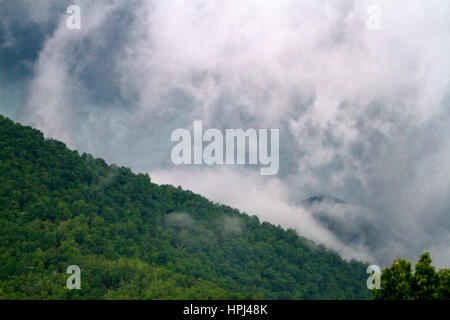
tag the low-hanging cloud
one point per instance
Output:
(363, 114)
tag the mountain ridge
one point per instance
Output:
(134, 239)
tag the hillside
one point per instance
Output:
(134, 239)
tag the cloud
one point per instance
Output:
(363, 114)
(181, 220)
(267, 198)
(232, 225)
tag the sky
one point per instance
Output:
(363, 112)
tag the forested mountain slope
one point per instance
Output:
(134, 239)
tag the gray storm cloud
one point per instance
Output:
(363, 114)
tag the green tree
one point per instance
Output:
(134, 239)
(425, 281)
(443, 290)
(395, 282)
(399, 283)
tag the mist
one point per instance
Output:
(363, 114)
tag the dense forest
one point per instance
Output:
(134, 239)
(398, 282)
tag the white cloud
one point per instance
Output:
(363, 114)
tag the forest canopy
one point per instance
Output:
(398, 282)
(134, 239)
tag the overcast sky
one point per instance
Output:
(364, 114)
